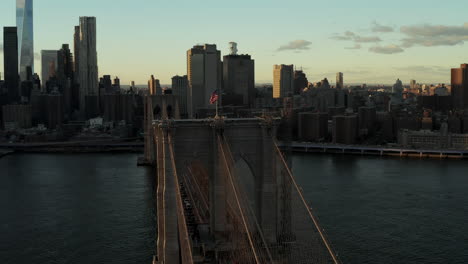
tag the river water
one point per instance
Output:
(99, 208)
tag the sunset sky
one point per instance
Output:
(369, 41)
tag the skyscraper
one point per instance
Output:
(24, 23)
(180, 89)
(154, 86)
(339, 80)
(239, 78)
(65, 76)
(76, 50)
(204, 71)
(460, 87)
(48, 57)
(300, 81)
(283, 81)
(88, 69)
(412, 84)
(10, 62)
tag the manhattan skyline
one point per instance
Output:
(369, 44)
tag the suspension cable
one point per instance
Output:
(250, 208)
(238, 203)
(309, 210)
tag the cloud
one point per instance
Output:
(359, 39)
(37, 56)
(434, 35)
(378, 28)
(296, 45)
(348, 35)
(389, 49)
(351, 36)
(1, 47)
(356, 46)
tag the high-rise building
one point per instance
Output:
(76, 51)
(239, 79)
(412, 84)
(460, 87)
(204, 72)
(24, 23)
(154, 86)
(88, 69)
(65, 63)
(180, 89)
(10, 62)
(65, 76)
(283, 81)
(300, 82)
(339, 80)
(48, 57)
(345, 129)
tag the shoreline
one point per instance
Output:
(73, 147)
(331, 149)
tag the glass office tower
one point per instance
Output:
(24, 23)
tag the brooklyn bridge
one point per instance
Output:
(226, 194)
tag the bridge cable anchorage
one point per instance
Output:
(186, 246)
(309, 210)
(249, 208)
(244, 221)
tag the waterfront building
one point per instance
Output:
(239, 79)
(24, 23)
(180, 89)
(367, 119)
(345, 129)
(313, 127)
(10, 63)
(433, 140)
(88, 69)
(48, 63)
(460, 87)
(204, 72)
(17, 116)
(55, 110)
(283, 81)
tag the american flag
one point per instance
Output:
(214, 97)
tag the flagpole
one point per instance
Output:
(217, 105)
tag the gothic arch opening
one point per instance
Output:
(169, 111)
(247, 182)
(157, 112)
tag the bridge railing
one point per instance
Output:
(184, 238)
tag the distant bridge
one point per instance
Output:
(225, 194)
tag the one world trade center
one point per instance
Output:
(24, 22)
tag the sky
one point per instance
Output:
(369, 41)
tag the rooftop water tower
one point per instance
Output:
(233, 48)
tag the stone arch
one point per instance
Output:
(246, 178)
(157, 112)
(169, 112)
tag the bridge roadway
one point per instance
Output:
(308, 147)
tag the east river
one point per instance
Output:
(100, 208)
